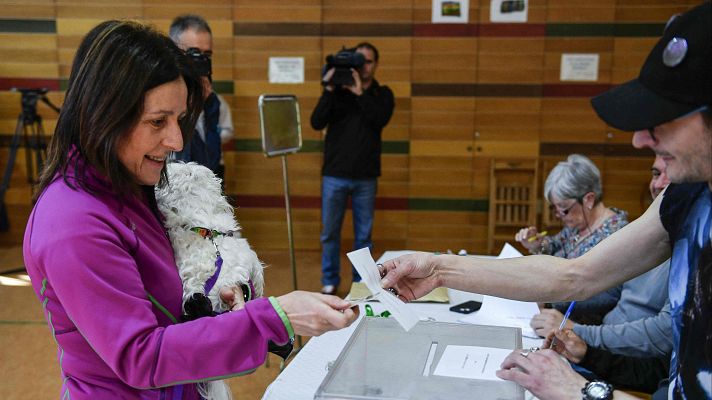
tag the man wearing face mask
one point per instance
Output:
(192, 34)
(354, 116)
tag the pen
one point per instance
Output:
(563, 322)
(538, 235)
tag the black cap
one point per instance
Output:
(675, 80)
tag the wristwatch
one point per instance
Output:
(597, 390)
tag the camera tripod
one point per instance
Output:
(30, 133)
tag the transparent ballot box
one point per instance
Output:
(382, 361)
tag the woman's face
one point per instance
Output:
(157, 133)
(570, 211)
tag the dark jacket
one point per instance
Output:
(352, 147)
(641, 374)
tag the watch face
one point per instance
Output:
(598, 390)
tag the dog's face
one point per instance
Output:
(193, 198)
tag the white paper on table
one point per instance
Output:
(504, 312)
(471, 362)
(508, 251)
(366, 267)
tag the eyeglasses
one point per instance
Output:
(564, 212)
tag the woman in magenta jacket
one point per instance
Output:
(100, 260)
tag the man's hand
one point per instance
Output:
(411, 275)
(312, 314)
(548, 320)
(544, 373)
(327, 77)
(568, 344)
(357, 87)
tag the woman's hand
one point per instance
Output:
(568, 344)
(411, 275)
(233, 297)
(525, 234)
(312, 314)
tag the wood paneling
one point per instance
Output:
(464, 95)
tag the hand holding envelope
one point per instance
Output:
(366, 267)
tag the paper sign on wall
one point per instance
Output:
(286, 70)
(579, 67)
(450, 11)
(508, 10)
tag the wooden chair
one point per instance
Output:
(548, 218)
(512, 201)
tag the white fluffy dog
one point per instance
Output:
(202, 227)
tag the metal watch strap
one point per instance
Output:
(605, 388)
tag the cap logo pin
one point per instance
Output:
(675, 52)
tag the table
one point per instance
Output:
(302, 377)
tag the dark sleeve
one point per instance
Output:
(642, 374)
(377, 107)
(598, 305)
(322, 112)
(677, 201)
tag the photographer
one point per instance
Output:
(192, 34)
(354, 112)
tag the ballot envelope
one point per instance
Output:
(434, 360)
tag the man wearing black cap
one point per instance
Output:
(668, 108)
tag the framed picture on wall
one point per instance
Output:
(508, 10)
(451, 11)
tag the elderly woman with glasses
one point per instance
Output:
(573, 188)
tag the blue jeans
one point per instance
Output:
(334, 199)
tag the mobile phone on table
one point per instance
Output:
(467, 307)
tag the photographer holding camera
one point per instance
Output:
(353, 108)
(192, 34)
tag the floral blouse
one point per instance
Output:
(567, 244)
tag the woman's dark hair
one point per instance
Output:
(115, 65)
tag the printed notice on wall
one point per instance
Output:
(508, 10)
(450, 11)
(579, 67)
(286, 70)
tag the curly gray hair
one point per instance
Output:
(573, 178)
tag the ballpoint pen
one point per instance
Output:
(563, 322)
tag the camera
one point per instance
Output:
(343, 62)
(30, 97)
(201, 61)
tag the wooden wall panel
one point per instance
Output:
(581, 11)
(510, 60)
(35, 9)
(444, 60)
(651, 10)
(464, 94)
